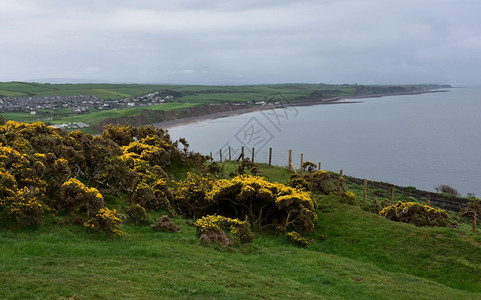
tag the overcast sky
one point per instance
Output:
(242, 41)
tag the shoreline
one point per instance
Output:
(336, 100)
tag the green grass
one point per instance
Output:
(66, 262)
(12, 94)
(24, 117)
(364, 256)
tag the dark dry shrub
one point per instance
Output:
(164, 223)
(446, 189)
(137, 214)
(416, 213)
(296, 239)
(214, 168)
(246, 164)
(215, 237)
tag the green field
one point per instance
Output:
(218, 93)
(352, 254)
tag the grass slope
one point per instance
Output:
(364, 257)
(147, 265)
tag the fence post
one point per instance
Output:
(392, 196)
(242, 153)
(290, 160)
(230, 158)
(270, 156)
(211, 157)
(428, 200)
(220, 154)
(365, 192)
(302, 161)
(253, 154)
(319, 166)
(339, 182)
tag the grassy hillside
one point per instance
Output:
(352, 254)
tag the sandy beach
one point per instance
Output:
(223, 114)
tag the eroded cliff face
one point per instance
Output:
(148, 116)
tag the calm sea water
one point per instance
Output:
(416, 140)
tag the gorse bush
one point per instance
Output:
(22, 209)
(237, 230)
(319, 181)
(296, 239)
(266, 204)
(105, 220)
(75, 195)
(416, 213)
(42, 166)
(190, 196)
(137, 214)
(349, 198)
(164, 223)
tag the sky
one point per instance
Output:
(242, 41)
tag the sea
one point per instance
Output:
(422, 140)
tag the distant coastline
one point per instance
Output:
(308, 102)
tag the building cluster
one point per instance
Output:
(80, 103)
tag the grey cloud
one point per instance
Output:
(237, 42)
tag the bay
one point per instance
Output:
(410, 140)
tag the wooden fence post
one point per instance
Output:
(392, 196)
(290, 160)
(253, 154)
(302, 161)
(365, 192)
(428, 200)
(211, 157)
(319, 166)
(270, 156)
(230, 158)
(339, 182)
(220, 154)
(242, 153)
